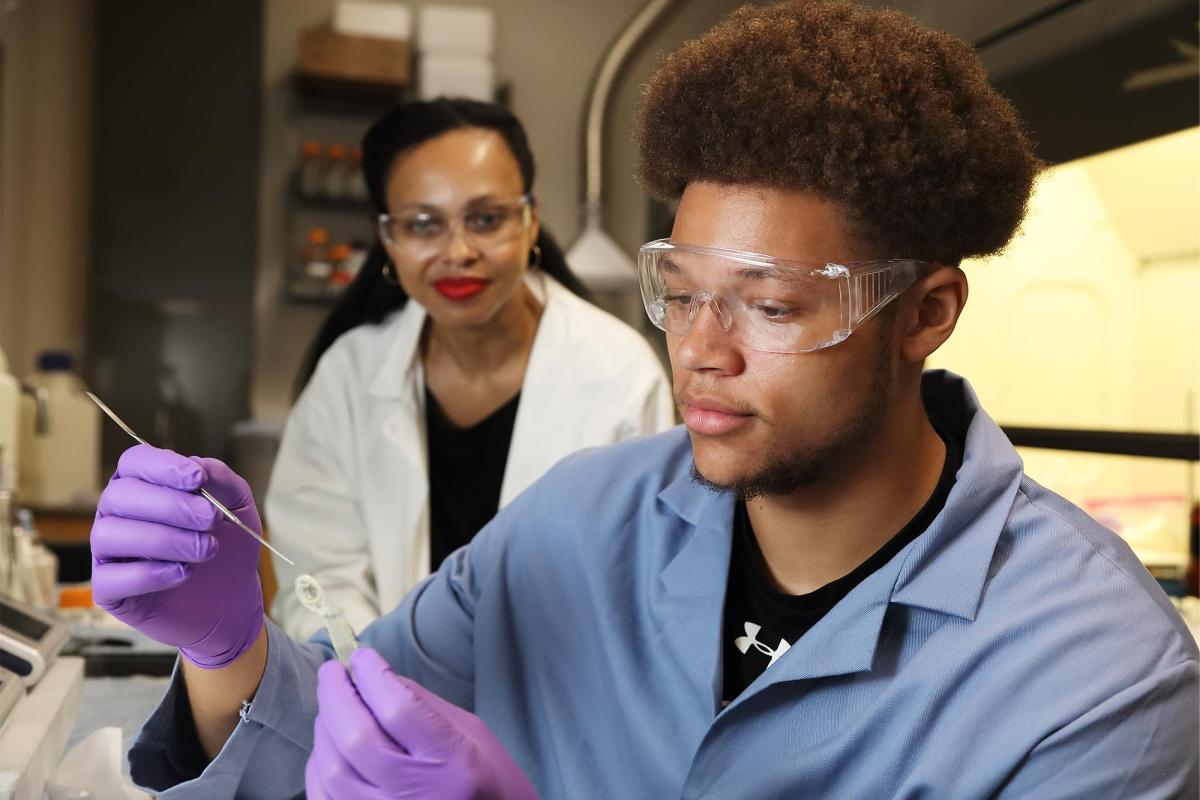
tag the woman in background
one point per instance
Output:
(459, 366)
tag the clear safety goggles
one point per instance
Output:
(768, 304)
(422, 231)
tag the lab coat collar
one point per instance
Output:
(943, 570)
(691, 501)
(401, 365)
(693, 581)
(549, 360)
(948, 565)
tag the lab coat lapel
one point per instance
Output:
(398, 513)
(843, 642)
(943, 570)
(950, 565)
(540, 409)
(693, 583)
(695, 580)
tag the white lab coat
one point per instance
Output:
(349, 494)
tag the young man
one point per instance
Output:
(834, 582)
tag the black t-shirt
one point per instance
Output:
(466, 470)
(762, 623)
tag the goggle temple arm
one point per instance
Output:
(873, 289)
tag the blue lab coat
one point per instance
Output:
(1016, 648)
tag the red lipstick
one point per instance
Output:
(460, 288)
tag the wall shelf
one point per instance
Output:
(323, 296)
(314, 202)
(327, 110)
(333, 96)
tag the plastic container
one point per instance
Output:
(356, 185)
(312, 169)
(460, 30)
(10, 416)
(373, 18)
(60, 466)
(75, 596)
(456, 75)
(358, 258)
(314, 256)
(337, 172)
(339, 255)
(36, 567)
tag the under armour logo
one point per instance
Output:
(744, 643)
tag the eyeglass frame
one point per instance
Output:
(910, 271)
(527, 202)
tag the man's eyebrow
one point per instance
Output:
(758, 273)
(671, 266)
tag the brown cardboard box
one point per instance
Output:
(327, 54)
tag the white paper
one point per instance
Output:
(92, 770)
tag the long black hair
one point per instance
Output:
(369, 299)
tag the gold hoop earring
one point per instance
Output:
(389, 274)
(536, 261)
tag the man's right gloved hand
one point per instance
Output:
(165, 561)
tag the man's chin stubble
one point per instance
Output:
(767, 483)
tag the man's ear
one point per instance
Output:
(933, 308)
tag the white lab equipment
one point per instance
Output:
(10, 416)
(456, 75)
(33, 739)
(12, 689)
(32, 569)
(29, 640)
(464, 30)
(373, 18)
(8, 540)
(456, 45)
(60, 441)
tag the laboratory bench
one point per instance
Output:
(60, 712)
(123, 703)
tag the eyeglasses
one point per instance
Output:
(424, 231)
(768, 304)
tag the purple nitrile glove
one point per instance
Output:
(166, 562)
(385, 737)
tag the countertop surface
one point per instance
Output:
(116, 702)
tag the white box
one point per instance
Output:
(37, 730)
(455, 29)
(378, 18)
(473, 77)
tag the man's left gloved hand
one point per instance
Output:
(384, 736)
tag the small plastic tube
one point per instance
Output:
(312, 596)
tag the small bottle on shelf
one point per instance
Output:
(312, 169)
(337, 172)
(356, 186)
(339, 255)
(358, 257)
(315, 268)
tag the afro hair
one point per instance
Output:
(896, 123)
